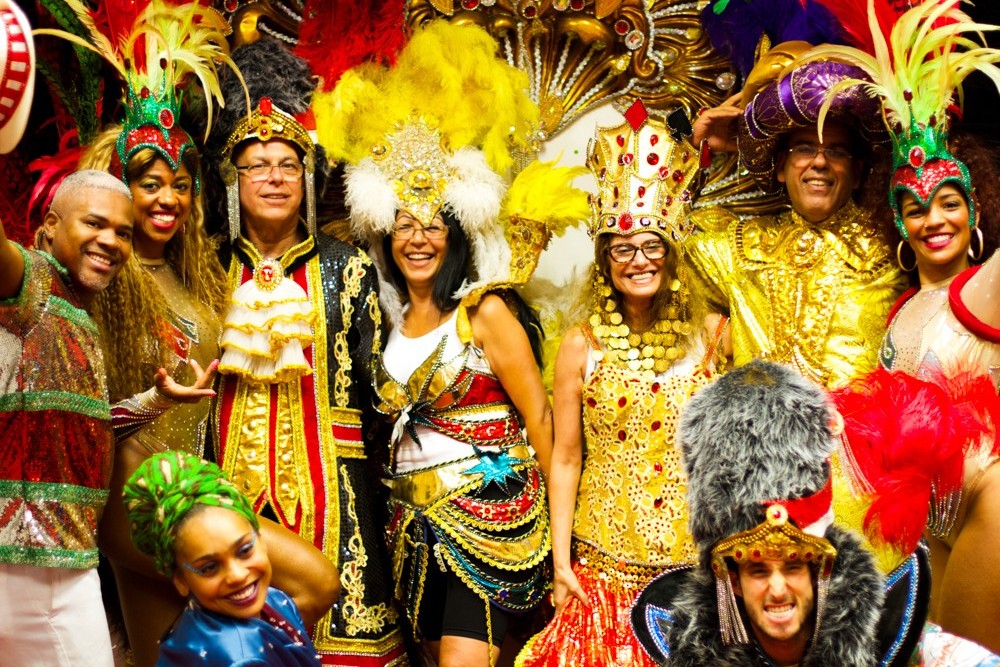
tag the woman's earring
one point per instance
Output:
(975, 257)
(899, 258)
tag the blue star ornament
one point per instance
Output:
(496, 468)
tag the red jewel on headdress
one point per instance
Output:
(641, 191)
(664, 171)
(668, 200)
(622, 26)
(166, 118)
(705, 160)
(678, 176)
(652, 159)
(620, 139)
(916, 157)
(908, 95)
(231, 5)
(625, 221)
(576, 5)
(655, 426)
(685, 156)
(685, 196)
(626, 159)
(654, 139)
(657, 503)
(658, 467)
(265, 106)
(144, 93)
(470, 4)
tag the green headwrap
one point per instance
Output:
(164, 489)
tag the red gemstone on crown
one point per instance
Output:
(265, 106)
(576, 5)
(654, 139)
(652, 159)
(664, 171)
(470, 4)
(627, 158)
(144, 93)
(620, 139)
(622, 26)
(678, 176)
(166, 118)
(625, 222)
(916, 157)
(641, 191)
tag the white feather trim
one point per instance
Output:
(372, 201)
(475, 192)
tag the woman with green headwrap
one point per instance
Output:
(201, 531)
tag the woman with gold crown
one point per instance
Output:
(619, 513)
(946, 329)
(163, 311)
(468, 531)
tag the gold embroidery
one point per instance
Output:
(632, 497)
(353, 274)
(358, 617)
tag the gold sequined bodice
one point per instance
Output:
(815, 296)
(195, 329)
(632, 502)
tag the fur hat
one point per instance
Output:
(759, 434)
(269, 71)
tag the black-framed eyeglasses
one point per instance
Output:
(408, 231)
(261, 171)
(808, 152)
(625, 252)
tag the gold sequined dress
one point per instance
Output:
(631, 521)
(193, 331)
(811, 295)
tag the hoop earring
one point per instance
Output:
(979, 255)
(899, 258)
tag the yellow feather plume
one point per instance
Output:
(449, 76)
(544, 193)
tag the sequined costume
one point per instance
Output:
(631, 512)
(467, 495)
(55, 420)
(815, 296)
(277, 638)
(194, 332)
(298, 448)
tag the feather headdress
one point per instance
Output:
(435, 132)
(167, 45)
(917, 73)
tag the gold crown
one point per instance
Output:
(414, 159)
(268, 122)
(645, 175)
(776, 538)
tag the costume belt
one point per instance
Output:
(420, 489)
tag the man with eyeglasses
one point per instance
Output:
(294, 423)
(812, 286)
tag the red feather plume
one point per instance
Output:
(853, 18)
(336, 36)
(908, 436)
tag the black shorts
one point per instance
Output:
(450, 608)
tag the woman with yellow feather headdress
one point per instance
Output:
(946, 329)
(429, 142)
(160, 318)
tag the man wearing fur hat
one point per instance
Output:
(777, 582)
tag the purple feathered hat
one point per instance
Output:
(793, 100)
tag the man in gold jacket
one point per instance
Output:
(811, 286)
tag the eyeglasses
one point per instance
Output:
(625, 252)
(807, 153)
(407, 231)
(261, 171)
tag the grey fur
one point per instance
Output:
(761, 432)
(847, 632)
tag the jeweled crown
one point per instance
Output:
(151, 121)
(414, 159)
(645, 171)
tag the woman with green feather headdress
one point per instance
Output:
(944, 192)
(202, 532)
